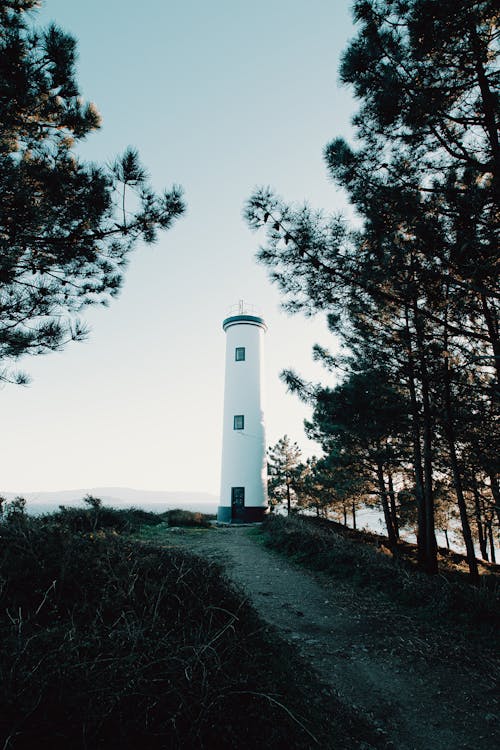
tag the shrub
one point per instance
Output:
(178, 517)
(322, 547)
(13, 511)
(110, 643)
(100, 517)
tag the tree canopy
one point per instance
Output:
(66, 226)
(413, 293)
(284, 470)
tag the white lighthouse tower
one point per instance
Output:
(243, 494)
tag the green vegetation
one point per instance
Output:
(178, 517)
(284, 471)
(449, 601)
(410, 291)
(108, 642)
(123, 520)
(67, 226)
(98, 516)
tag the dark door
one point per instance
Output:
(237, 503)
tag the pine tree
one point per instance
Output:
(284, 471)
(66, 226)
(359, 425)
(419, 281)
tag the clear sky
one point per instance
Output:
(221, 97)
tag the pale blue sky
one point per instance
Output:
(220, 97)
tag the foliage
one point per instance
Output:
(323, 546)
(336, 486)
(101, 518)
(13, 511)
(284, 470)
(360, 424)
(413, 290)
(66, 226)
(179, 517)
(110, 643)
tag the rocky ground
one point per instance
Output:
(421, 691)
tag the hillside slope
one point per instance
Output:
(420, 686)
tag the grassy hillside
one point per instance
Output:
(449, 600)
(107, 642)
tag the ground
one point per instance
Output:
(421, 691)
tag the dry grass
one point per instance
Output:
(359, 559)
(110, 643)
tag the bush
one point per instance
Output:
(321, 547)
(110, 643)
(99, 517)
(178, 517)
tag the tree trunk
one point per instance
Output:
(431, 564)
(417, 449)
(392, 497)
(489, 527)
(495, 491)
(344, 507)
(288, 500)
(488, 100)
(457, 479)
(385, 506)
(446, 537)
(431, 546)
(354, 515)
(492, 325)
(479, 521)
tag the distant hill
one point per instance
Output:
(117, 496)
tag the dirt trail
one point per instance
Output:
(383, 666)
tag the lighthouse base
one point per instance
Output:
(247, 514)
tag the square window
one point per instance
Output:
(239, 354)
(239, 422)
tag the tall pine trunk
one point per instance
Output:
(431, 564)
(488, 99)
(416, 446)
(457, 479)
(392, 497)
(489, 527)
(449, 431)
(495, 491)
(492, 326)
(385, 505)
(481, 528)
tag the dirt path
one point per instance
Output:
(373, 656)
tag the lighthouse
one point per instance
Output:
(243, 494)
